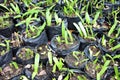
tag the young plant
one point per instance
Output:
(84, 32)
(49, 15)
(58, 64)
(5, 47)
(15, 8)
(26, 53)
(30, 31)
(4, 22)
(110, 44)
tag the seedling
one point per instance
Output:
(26, 53)
(66, 37)
(83, 32)
(15, 8)
(50, 15)
(58, 64)
(4, 22)
(5, 47)
(30, 31)
(110, 43)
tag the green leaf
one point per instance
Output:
(63, 29)
(48, 17)
(59, 63)
(98, 76)
(116, 56)
(104, 68)
(50, 58)
(116, 72)
(67, 77)
(36, 65)
(83, 29)
(87, 17)
(15, 65)
(78, 28)
(112, 28)
(115, 47)
(96, 17)
(2, 44)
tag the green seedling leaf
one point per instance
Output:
(104, 67)
(57, 19)
(70, 35)
(103, 41)
(116, 72)
(67, 77)
(15, 65)
(79, 17)
(96, 17)
(59, 63)
(98, 76)
(48, 17)
(63, 30)
(110, 57)
(116, 56)
(2, 44)
(15, 8)
(36, 65)
(112, 28)
(54, 68)
(78, 28)
(2, 5)
(115, 47)
(50, 58)
(87, 17)
(82, 28)
(8, 44)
